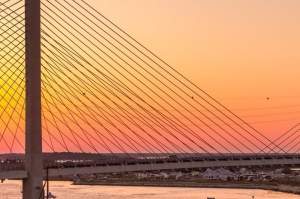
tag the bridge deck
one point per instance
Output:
(57, 172)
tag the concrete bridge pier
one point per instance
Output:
(33, 184)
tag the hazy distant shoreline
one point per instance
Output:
(280, 188)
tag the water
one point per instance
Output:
(64, 190)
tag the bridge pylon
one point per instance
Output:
(33, 184)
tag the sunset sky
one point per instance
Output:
(244, 52)
(98, 87)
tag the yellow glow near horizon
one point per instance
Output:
(246, 53)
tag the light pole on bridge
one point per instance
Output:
(33, 184)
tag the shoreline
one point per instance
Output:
(278, 188)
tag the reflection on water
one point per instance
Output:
(64, 190)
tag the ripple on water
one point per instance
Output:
(65, 190)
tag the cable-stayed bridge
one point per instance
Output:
(90, 87)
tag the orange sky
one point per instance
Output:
(241, 51)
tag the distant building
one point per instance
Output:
(195, 173)
(219, 174)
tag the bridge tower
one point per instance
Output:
(33, 184)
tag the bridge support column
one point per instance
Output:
(33, 184)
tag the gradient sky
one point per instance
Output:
(240, 51)
(243, 52)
